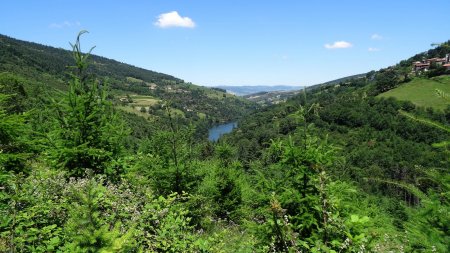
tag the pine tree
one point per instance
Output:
(88, 131)
(87, 230)
(13, 143)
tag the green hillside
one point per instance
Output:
(46, 68)
(422, 92)
(394, 154)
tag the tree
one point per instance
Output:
(14, 145)
(87, 230)
(13, 86)
(386, 80)
(304, 212)
(89, 132)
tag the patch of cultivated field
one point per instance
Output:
(422, 92)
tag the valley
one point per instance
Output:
(97, 155)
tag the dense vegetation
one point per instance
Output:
(335, 169)
(394, 152)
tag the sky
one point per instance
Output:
(237, 42)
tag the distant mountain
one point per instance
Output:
(247, 89)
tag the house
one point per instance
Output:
(425, 65)
(447, 62)
(437, 61)
(419, 66)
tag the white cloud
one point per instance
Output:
(373, 49)
(65, 24)
(173, 19)
(376, 36)
(338, 44)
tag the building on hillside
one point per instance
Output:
(419, 66)
(425, 65)
(447, 62)
(437, 61)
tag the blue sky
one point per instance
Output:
(232, 42)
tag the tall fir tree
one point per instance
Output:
(88, 132)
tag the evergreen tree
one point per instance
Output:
(89, 132)
(14, 145)
(87, 230)
(13, 87)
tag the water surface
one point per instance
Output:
(214, 133)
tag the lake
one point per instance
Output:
(215, 132)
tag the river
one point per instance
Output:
(214, 133)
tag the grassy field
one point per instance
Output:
(135, 111)
(422, 92)
(139, 100)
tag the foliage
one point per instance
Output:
(86, 230)
(167, 158)
(88, 132)
(386, 80)
(374, 141)
(13, 87)
(32, 212)
(14, 146)
(166, 226)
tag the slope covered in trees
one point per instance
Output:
(44, 69)
(332, 170)
(394, 152)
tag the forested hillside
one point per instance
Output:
(45, 69)
(395, 154)
(333, 169)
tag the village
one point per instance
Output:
(425, 65)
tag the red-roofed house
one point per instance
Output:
(424, 65)
(418, 66)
